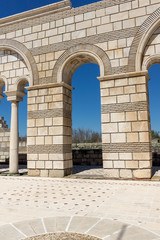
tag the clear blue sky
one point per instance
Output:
(86, 96)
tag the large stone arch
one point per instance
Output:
(77, 56)
(25, 54)
(142, 37)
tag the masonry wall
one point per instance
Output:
(37, 47)
(4, 140)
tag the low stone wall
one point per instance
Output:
(4, 140)
(89, 157)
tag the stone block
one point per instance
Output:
(123, 98)
(108, 100)
(131, 116)
(42, 131)
(33, 172)
(142, 156)
(49, 164)
(110, 156)
(139, 97)
(105, 118)
(40, 122)
(124, 127)
(118, 137)
(107, 164)
(111, 173)
(140, 126)
(125, 156)
(144, 137)
(48, 140)
(107, 84)
(132, 164)
(145, 164)
(117, 117)
(132, 137)
(125, 173)
(142, 173)
(106, 138)
(116, 91)
(109, 127)
(129, 89)
(44, 173)
(142, 115)
(123, 81)
(43, 156)
(119, 164)
(40, 165)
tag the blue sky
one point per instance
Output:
(86, 96)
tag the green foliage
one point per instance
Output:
(85, 136)
(155, 134)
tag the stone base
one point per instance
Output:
(57, 173)
(128, 174)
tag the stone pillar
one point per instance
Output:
(49, 134)
(126, 126)
(14, 139)
(14, 97)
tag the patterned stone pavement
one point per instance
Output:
(128, 209)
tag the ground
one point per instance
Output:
(108, 209)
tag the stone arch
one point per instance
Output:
(77, 56)
(21, 83)
(3, 81)
(142, 37)
(25, 54)
(150, 61)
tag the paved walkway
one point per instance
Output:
(129, 202)
(106, 209)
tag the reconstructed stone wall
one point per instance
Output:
(4, 140)
(45, 46)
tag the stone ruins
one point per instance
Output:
(44, 47)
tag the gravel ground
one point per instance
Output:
(63, 236)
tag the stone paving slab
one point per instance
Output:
(98, 228)
(132, 202)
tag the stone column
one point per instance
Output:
(14, 136)
(14, 97)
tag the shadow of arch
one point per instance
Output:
(76, 56)
(140, 41)
(26, 56)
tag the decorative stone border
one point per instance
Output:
(107, 229)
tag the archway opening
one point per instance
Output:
(5, 115)
(23, 116)
(14, 72)
(86, 120)
(154, 88)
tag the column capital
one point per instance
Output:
(15, 96)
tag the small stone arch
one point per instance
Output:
(140, 41)
(3, 81)
(21, 83)
(150, 61)
(25, 54)
(77, 56)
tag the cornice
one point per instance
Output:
(37, 12)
